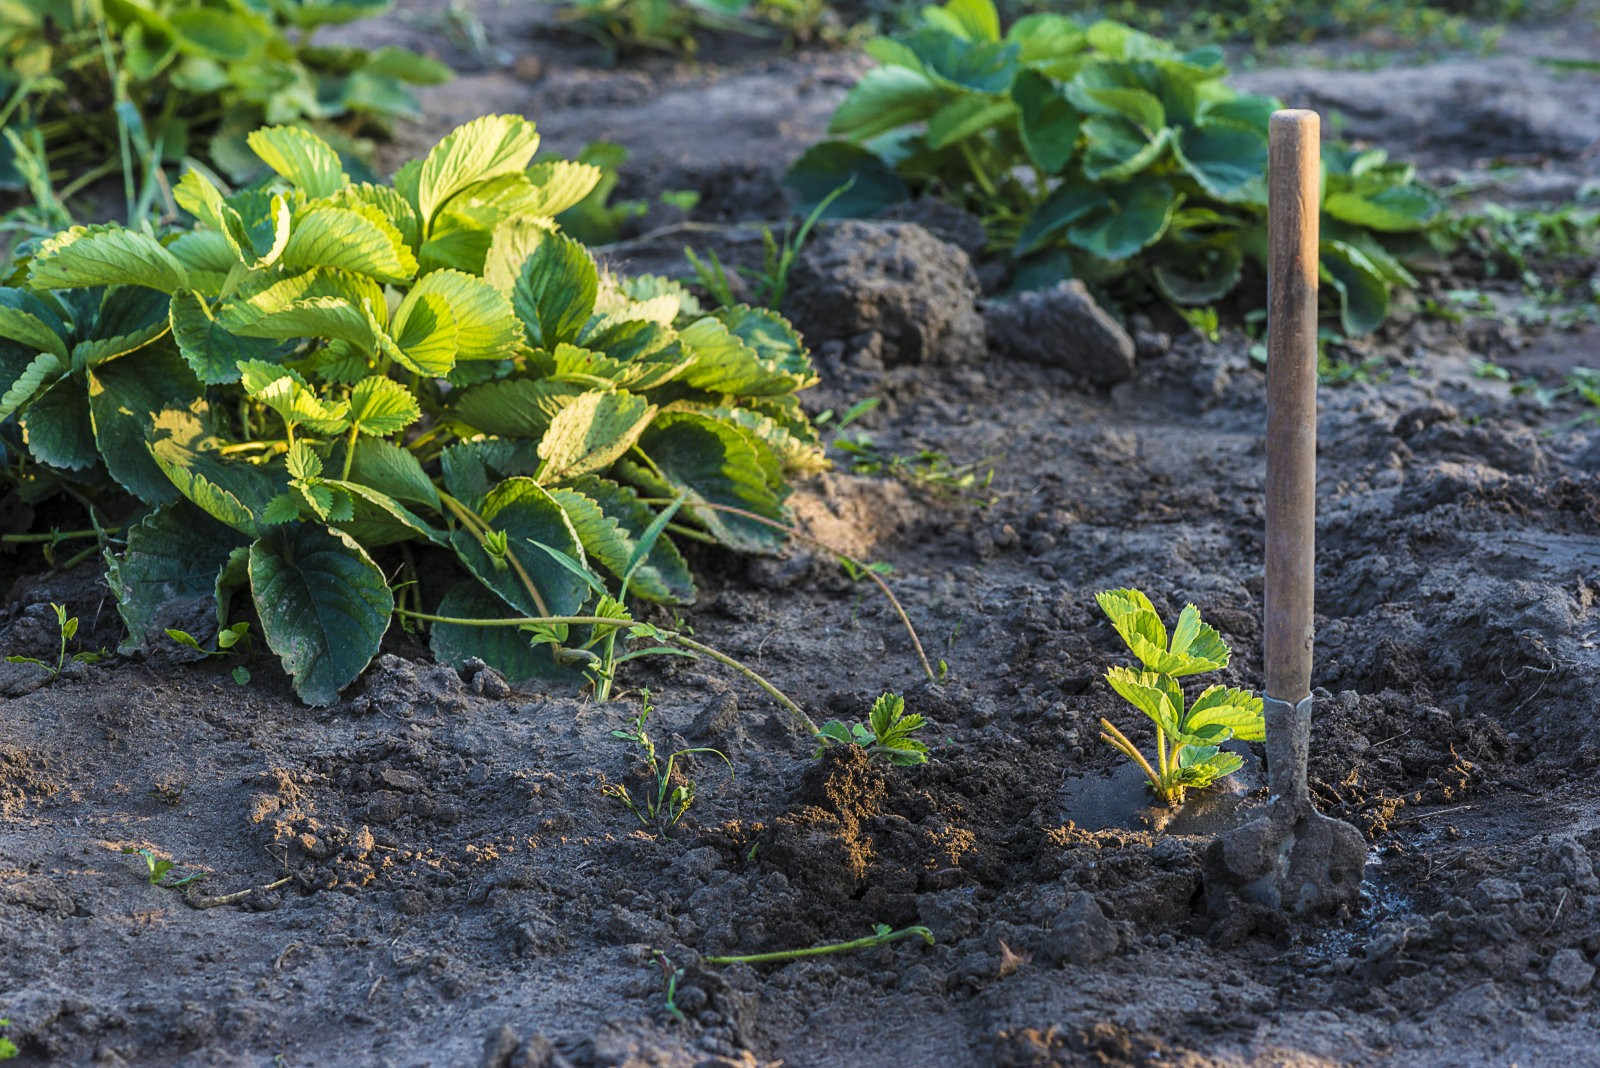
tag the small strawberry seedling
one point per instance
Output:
(156, 871)
(1189, 751)
(887, 733)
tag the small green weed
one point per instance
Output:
(229, 640)
(667, 802)
(927, 469)
(1195, 758)
(886, 734)
(671, 976)
(8, 1048)
(771, 283)
(68, 629)
(156, 870)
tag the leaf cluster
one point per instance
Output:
(157, 870)
(887, 734)
(190, 77)
(1189, 752)
(1103, 153)
(320, 369)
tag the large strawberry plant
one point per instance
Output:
(1102, 153)
(95, 78)
(321, 374)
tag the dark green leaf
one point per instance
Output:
(174, 556)
(124, 397)
(324, 606)
(826, 166)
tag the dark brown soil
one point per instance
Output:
(427, 873)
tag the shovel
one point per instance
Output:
(1293, 858)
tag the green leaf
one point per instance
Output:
(591, 432)
(1396, 209)
(986, 66)
(394, 471)
(127, 319)
(26, 320)
(316, 304)
(1229, 163)
(229, 37)
(1114, 90)
(1237, 710)
(57, 428)
(712, 463)
(509, 650)
(1063, 207)
(174, 554)
(41, 369)
(824, 167)
(1047, 121)
(512, 242)
(349, 239)
(479, 150)
(967, 116)
(382, 406)
(1363, 294)
(104, 256)
(1133, 616)
(555, 291)
(559, 184)
(1144, 691)
(1205, 273)
(234, 493)
(213, 354)
(1137, 216)
(886, 98)
(1115, 149)
(610, 522)
(527, 514)
(1049, 43)
(300, 156)
(977, 19)
(324, 606)
(124, 398)
(485, 323)
(520, 407)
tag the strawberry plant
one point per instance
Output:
(1189, 752)
(98, 79)
(886, 734)
(1101, 153)
(322, 374)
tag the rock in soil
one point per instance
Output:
(893, 279)
(1061, 327)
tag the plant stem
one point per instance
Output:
(749, 673)
(1119, 741)
(833, 947)
(478, 526)
(55, 536)
(350, 451)
(665, 635)
(796, 532)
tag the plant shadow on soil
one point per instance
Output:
(460, 892)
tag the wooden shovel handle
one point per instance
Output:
(1294, 199)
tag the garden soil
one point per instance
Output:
(428, 873)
